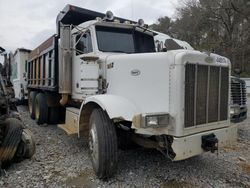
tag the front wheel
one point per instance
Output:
(102, 144)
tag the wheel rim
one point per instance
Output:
(37, 112)
(93, 144)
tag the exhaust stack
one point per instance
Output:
(65, 63)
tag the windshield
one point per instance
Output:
(123, 40)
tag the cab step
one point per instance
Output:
(71, 126)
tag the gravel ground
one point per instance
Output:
(63, 161)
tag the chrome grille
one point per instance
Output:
(238, 91)
(206, 94)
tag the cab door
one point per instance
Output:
(85, 73)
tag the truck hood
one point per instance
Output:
(145, 79)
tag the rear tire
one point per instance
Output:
(31, 103)
(103, 144)
(41, 109)
(54, 113)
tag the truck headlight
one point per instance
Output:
(156, 120)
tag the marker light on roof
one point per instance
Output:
(141, 22)
(109, 15)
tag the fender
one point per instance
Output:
(117, 107)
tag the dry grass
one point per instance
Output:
(230, 148)
(246, 167)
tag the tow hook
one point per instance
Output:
(209, 142)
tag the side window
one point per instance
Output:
(83, 43)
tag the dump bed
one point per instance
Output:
(43, 66)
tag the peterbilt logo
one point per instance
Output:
(135, 72)
(221, 60)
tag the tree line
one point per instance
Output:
(221, 26)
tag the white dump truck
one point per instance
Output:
(19, 73)
(113, 86)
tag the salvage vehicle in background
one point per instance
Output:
(19, 74)
(238, 108)
(16, 142)
(106, 74)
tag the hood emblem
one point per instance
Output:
(135, 72)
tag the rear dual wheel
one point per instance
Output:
(54, 115)
(41, 109)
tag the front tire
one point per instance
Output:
(103, 144)
(41, 109)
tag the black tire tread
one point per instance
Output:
(108, 154)
(54, 115)
(43, 108)
(12, 139)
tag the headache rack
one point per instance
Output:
(206, 94)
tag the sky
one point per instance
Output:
(27, 23)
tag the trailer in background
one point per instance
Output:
(19, 73)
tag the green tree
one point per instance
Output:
(222, 26)
(162, 25)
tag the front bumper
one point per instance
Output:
(189, 146)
